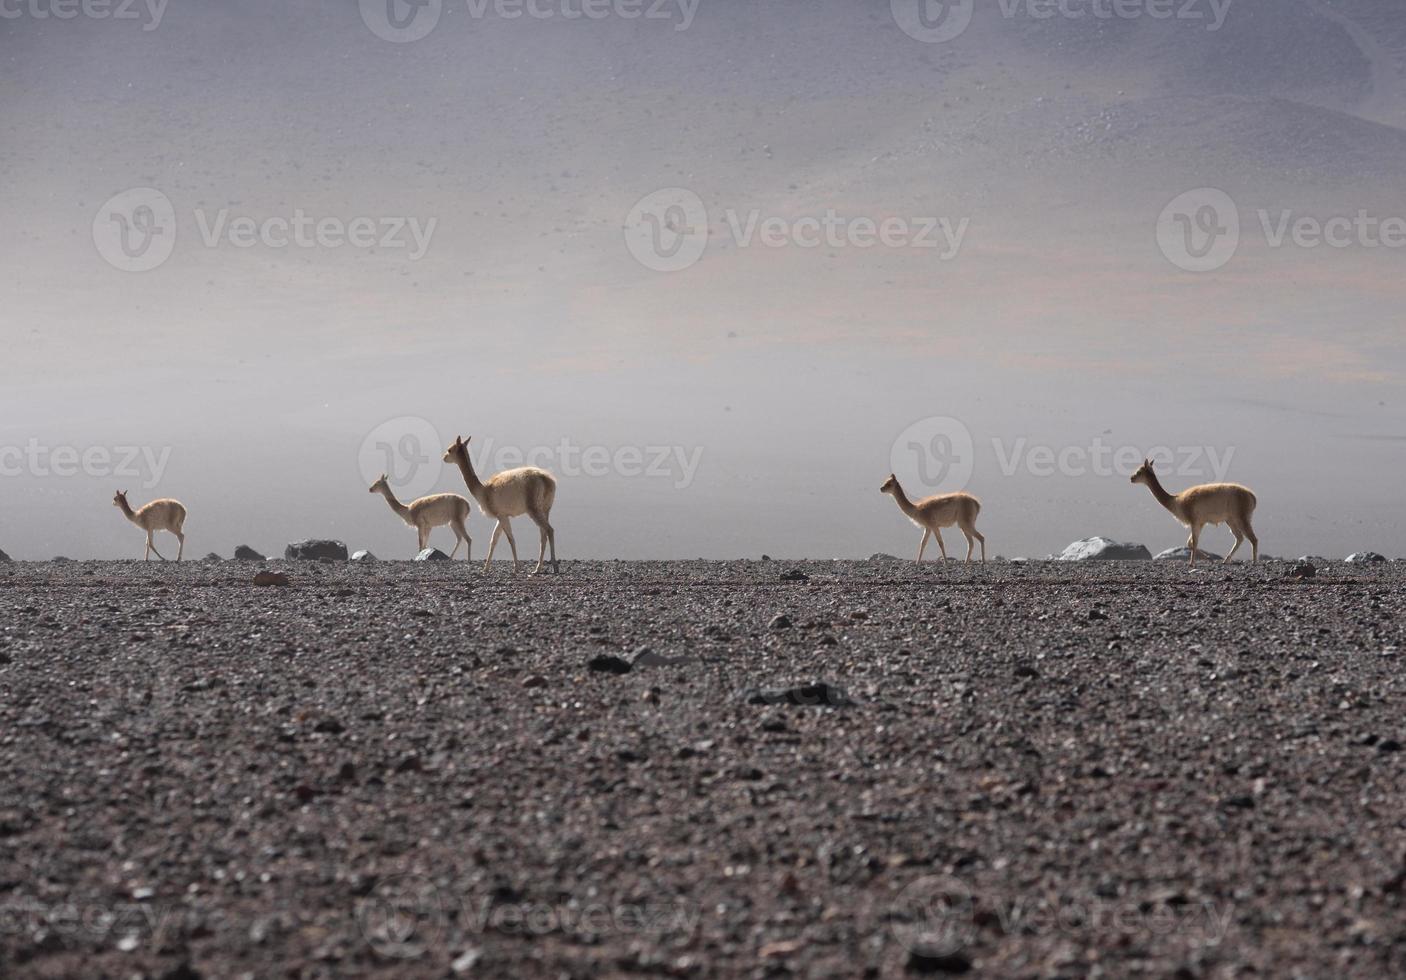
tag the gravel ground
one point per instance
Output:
(419, 770)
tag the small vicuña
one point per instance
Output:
(159, 515)
(1210, 503)
(525, 490)
(428, 513)
(934, 513)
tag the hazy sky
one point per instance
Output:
(720, 266)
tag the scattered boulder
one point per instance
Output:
(779, 622)
(934, 959)
(1365, 557)
(815, 694)
(270, 578)
(794, 575)
(1104, 549)
(882, 556)
(1301, 569)
(4, 557)
(431, 554)
(62, 560)
(246, 553)
(1184, 554)
(212, 557)
(316, 549)
(609, 664)
(364, 555)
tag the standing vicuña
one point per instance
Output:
(511, 493)
(428, 513)
(159, 515)
(1211, 503)
(934, 513)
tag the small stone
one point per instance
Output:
(535, 681)
(246, 553)
(212, 557)
(1389, 745)
(794, 575)
(431, 554)
(270, 578)
(465, 961)
(316, 549)
(365, 556)
(815, 694)
(1301, 569)
(1365, 558)
(779, 622)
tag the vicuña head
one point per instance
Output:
(525, 490)
(1210, 503)
(380, 485)
(119, 500)
(890, 485)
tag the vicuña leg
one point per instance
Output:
(923, 545)
(1254, 542)
(982, 538)
(422, 534)
(544, 531)
(1239, 540)
(492, 543)
(152, 546)
(180, 536)
(937, 533)
(461, 536)
(512, 542)
(971, 536)
(1195, 542)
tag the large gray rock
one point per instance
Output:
(316, 549)
(1184, 554)
(246, 553)
(883, 556)
(4, 557)
(364, 555)
(431, 554)
(213, 557)
(1365, 557)
(1104, 549)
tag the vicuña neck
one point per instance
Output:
(904, 504)
(466, 467)
(1163, 497)
(396, 505)
(127, 510)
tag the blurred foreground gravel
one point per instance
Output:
(702, 769)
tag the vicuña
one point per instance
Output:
(428, 513)
(511, 493)
(1210, 503)
(934, 513)
(159, 515)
